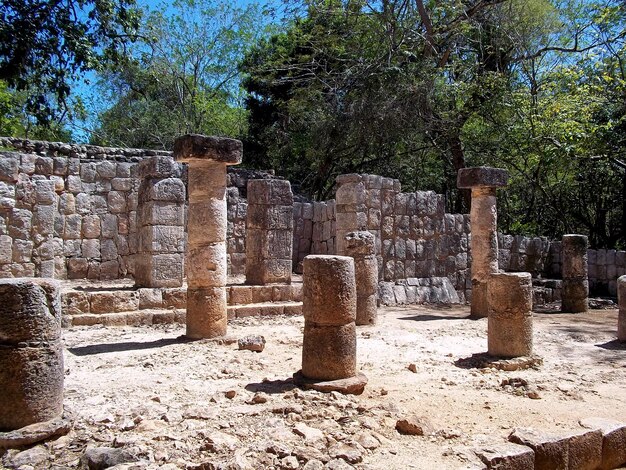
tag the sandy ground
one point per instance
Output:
(165, 400)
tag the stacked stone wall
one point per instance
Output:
(68, 211)
(314, 230)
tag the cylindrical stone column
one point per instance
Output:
(31, 352)
(269, 232)
(483, 220)
(160, 222)
(361, 247)
(575, 291)
(206, 262)
(510, 323)
(621, 300)
(329, 308)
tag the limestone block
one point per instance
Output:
(613, 441)
(109, 270)
(161, 213)
(159, 270)
(22, 251)
(507, 455)
(58, 183)
(91, 226)
(27, 163)
(266, 271)
(161, 239)
(106, 169)
(169, 189)
(206, 312)
(124, 170)
(83, 203)
(269, 217)
(116, 201)
(328, 352)
(264, 244)
(74, 184)
(150, 298)
(158, 167)
(207, 221)
(9, 167)
(482, 177)
(31, 377)
(20, 223)
(108, 225)
(108, 249)
(575, 257)
(330, 278)
(99, 204)
(72, 227)
(75, 302)
(67, 204)
(122, 184)
(44, 166)
(60, 166)
(206, 148)
(6, 253)
(350, 193)
(113, 301)
(206, 265)
(77, 268)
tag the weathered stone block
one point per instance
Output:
(507, 455)
(159, 270)
(169, 189)
(482, 177)
(162, 239)
(116, 201)
(158, 167)
(106, 169)
(613, 441)
(199, 147)
(113, 301)
(161, 213)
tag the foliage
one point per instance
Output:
(45, 44)
(183, 77)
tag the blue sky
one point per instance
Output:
(92, 97)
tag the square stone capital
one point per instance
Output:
(196, 147)
(482, 176)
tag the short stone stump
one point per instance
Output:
(350, 386)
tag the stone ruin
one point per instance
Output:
(387, 237)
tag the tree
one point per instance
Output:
(183, 77)
(46, 44)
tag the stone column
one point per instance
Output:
(208, 158)
(510, 323)
(329, 308)
(483, 182)
(31, 352)
(575, 293)
(351, 211)
(269, 232)
(621, 300)
(361, 247)
(160, 223)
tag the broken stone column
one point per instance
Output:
(208, 158)
(160, 223)
(31, 352)
(269, 232)
(483, 182)
(360, 246)
(329, 308)
(351, 211)
(621, 300)
(575, 291)
(510, 323)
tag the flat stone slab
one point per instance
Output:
(350, 386)
(486, 361)
(482, 176)
(507, 455)
(34, 433)
(208, 148)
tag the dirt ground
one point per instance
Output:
(164, 400)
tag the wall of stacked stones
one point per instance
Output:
(313, 230)
(67, 211)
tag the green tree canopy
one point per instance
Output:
(46, 44)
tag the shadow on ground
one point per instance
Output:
(272, 386)
(92, 349)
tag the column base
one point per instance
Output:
(206, 313)
(350, 386)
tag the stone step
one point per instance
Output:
(129, 299)
(159, 316)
